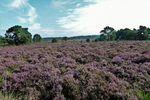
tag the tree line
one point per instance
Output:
(110, 34)
(17, 35)
(71, 38)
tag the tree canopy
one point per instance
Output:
(102, 37)
(109, 34)
(18, 35)
(36, 38)
(54, 40)
(136, 34)
(65, 38)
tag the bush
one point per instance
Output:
(96, 40)
(65, 38)
(88, 40)
(37, 38)
(118, 40)
(54, 40)
(2, 40)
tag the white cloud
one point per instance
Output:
(32, 14)
(22, 20)
(35, 26)
(18, 3)
(73, 2)
(44, 32)
(57, 4)
(115, 13)
(91, 0)
(29, 17)
(51, 32)
(78, 5)
(68, 10)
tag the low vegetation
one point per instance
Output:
(76, 70)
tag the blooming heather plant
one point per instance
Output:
(76, 70)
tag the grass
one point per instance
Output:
(7, 97)
(145, 96)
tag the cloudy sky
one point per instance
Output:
(55, 18)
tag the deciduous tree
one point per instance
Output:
(109, 32)
(18, 35)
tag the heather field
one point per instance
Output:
(76, 71)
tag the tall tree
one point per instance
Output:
(108, 31)
(142, 33)
(102, 37)
(124, 34)
(113, 36)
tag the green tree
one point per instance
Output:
(108, 31)
(88, 40)
(113, 36)
(125, 34)
(65, 38)
(102, 37)
(143, 33)
(131, 35)
(2, 40)
(18, 35)
(36, 38)
(54, 40)
(96, 40)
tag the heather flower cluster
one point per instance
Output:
(76, 71)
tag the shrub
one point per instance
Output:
(54, 40)
(88, 40)
(37, 38)
(118, 40)
(76, 71)
(65, 38)
(96, 40)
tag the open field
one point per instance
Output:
(76, 71)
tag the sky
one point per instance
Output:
(58, 18)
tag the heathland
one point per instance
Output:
(74, 70)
